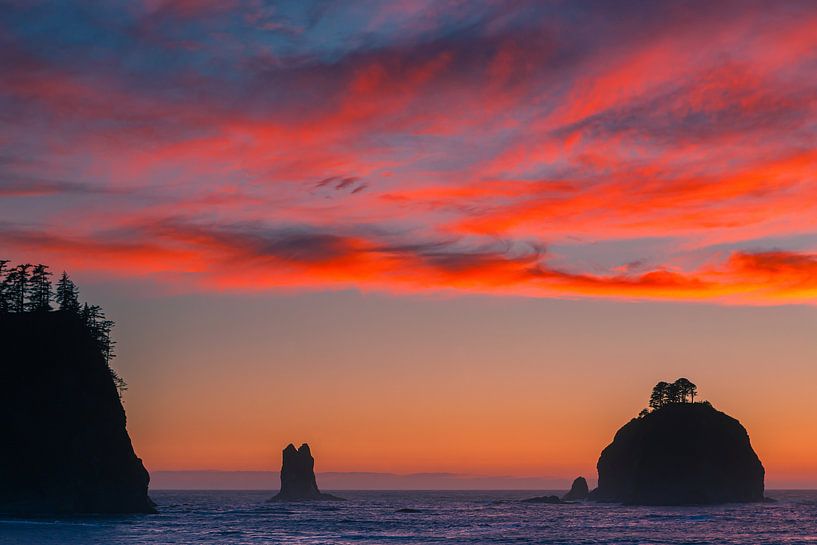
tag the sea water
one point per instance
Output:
(369, 517)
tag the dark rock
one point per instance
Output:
(579, 490)
(298, 476)
(408, 510)
(64, 448)
(684, 453)
(543, 499)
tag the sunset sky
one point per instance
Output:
(425, 235)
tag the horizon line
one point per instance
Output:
(260, 480)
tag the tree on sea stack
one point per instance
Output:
(681, 391)
(657, 399)
(686, 389)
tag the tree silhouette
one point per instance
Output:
(674, 393)
(26, 288)
(4, 286)
(19, 280)
(67, 294)
(659, 395)
(680, 391)
(100, 328)
(119, 382)
(686, 389)
(40, 289)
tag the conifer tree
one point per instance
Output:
(659, 395)
(19, 281)
(85, 314)
(104, 340)
(681, 391)
(686, 389)
(119, 382)
(100, 328)
(67, 295)
(40, 295)
(4, 287)
(673, 394)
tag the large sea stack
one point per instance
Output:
(64, 448)
(680, 454)
(298, 476)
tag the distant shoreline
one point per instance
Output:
(205, 480)
(269, 480)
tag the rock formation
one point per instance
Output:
(579, 490)
(298, 476)
(64, 448)
(682, 453)
(543, 499)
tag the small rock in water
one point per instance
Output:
(579, 490)
(543, 499)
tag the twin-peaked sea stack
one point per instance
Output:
(298, 476)
(64, 448)
(680, 454)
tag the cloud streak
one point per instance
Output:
(254, 257)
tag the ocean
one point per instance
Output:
(376, 517)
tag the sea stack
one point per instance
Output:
(579, 490)
(680, 454)
(64, 448)
(298, 476)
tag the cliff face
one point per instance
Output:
(63, 443)
(680, 454)
(298, 476)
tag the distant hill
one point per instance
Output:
(63, 443)
(331, 480)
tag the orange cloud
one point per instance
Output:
(251, 257)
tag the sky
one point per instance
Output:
(425, 236)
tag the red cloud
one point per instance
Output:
(310, 259)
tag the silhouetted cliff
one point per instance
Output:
(683, 453)
(63, 443)
(298, 476)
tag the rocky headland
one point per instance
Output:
(64, 446)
